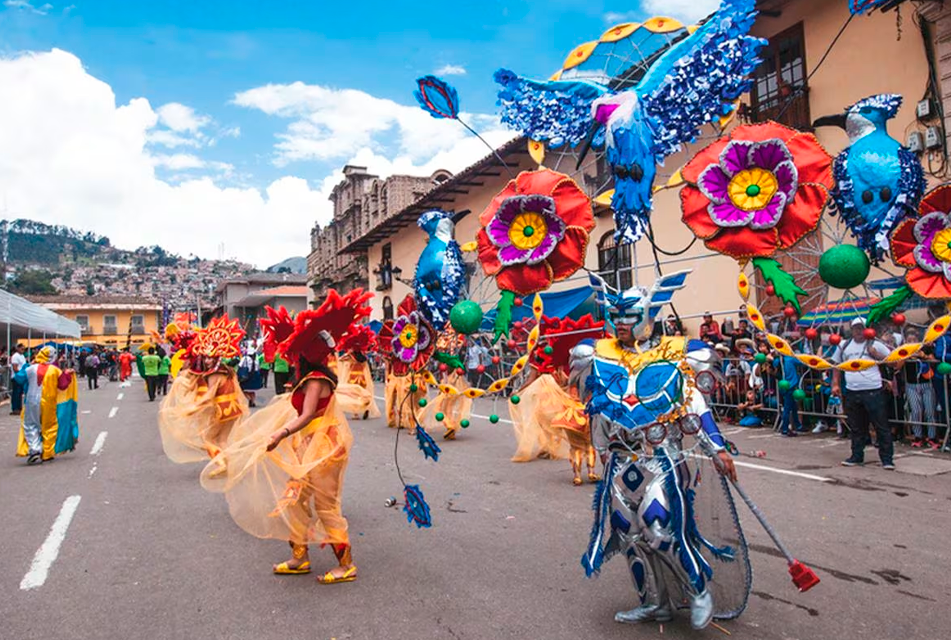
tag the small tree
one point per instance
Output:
(35, 282)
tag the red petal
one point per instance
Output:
(764, 131)
(743, 242)
(408, 305)
(903, 244)
(488, 254)
(937, 200)
(542, 181)
(928, 285)
(569, 255)
(696, 216)
(802, 216)
(703, 159)
(814, 164)
(573, 205)
(496, 202)
(525, 279)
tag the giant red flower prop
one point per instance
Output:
(923, 245)
(408, 341)
(535, 232)
(758, 191)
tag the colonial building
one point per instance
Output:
(114, 321)
(361, 202)
(810, 70)
(245, 297)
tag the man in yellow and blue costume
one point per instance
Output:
(642, 401)
(49, 418)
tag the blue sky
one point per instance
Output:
(201, 55)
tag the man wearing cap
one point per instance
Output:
(864, 400)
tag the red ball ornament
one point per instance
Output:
(481, 368)
(518, 302)
(835, 339)
(496, 359)
(869, 333)
(461, 371)
(899, 319)
(511, 344)
(789, 312)
(770, 290)
(517, 324)
(811, 333)
(443, 367)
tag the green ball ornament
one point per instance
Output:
(466, 317)
(423, 402)
(548, 351)
(515, 399)
(944, 368)
(784, 385)
(760, 358)
(844, 266)
(464, 424)
(494, 419)
(414, 388)
(799, 394)
(440, 417)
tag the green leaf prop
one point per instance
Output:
(888, 306)
(503, 316)
(448, 359)
(786, 288)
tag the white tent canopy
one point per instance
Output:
(21, 318)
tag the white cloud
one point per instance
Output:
(72, 156)
(171, 139)
(188, 161)
(333, 124)
(451, 70)
(181, 118)
(26, 5)
(685, 10)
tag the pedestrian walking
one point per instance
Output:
(150, 367)
(92, 370)
(788, 385)
(864, 397)
(282, 373)
(17, 362)
(125, 365)
(165, 369)
(265, 368)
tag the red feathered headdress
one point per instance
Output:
(276, 327)
(220, 339)
(317, 332)
(359, 339)
(563, 335)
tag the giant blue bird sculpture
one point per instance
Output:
(878, 181)
(697, 80)
(440, 271)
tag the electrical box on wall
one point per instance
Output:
(916, 142)
(924, 109)
(932, 137)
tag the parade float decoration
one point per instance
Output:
(439, 282)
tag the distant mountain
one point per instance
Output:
(78, 263)
(296, 265)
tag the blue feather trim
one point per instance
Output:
(426, 444)
(595, 556)
(416, 507)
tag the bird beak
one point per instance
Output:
(586, 147)
(831, 121)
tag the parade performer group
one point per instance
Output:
(50, 425)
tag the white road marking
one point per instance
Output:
(47, 553)
(785, 472)
(770, 435)
(120, 396)
(730, 432)
(113, 411)
(98, 444)
(86, 412)
(92, 471)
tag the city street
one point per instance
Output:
(148, 554)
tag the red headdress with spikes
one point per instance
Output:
(563, 335)
(317, 332)
(220, 339)
(359, 339)
(277, 327)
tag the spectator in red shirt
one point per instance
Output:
(710, 330)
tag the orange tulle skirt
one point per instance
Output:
(355, 377)
(455, 408)
(198, 414)
(542, 417)
(402, 404)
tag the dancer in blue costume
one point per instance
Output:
(642, 401)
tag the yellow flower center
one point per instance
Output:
(528, 230)
(752, 189)
(409, 335)
(941, 245)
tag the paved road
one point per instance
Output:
(149, 554)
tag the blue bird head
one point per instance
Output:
(429, 221)
(865, 116)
